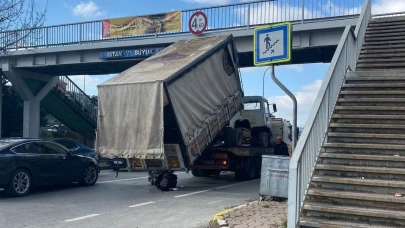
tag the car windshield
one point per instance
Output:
(252, 106)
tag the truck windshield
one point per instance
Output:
(252, 106)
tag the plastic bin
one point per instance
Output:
(274, 176)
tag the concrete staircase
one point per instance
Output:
(362, 164)
(384, 45)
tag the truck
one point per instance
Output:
(183, 109)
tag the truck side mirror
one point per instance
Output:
(274, 107)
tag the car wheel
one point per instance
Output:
(19, 184)
(90, 176)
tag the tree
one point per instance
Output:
(19, 22)
(12, 112)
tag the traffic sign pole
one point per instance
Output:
(272, 45)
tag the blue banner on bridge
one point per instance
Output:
(125, 54)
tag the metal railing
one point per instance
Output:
(80, 100)
(306, 153)
(233, 16)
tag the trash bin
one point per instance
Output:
(274, 176)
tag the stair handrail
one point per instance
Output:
(314, 134)
(79, 95)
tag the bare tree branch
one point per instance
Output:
(20, 21)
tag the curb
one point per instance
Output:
(218, 219)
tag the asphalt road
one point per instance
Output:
(127, 201)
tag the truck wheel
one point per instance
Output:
(203, 173)
(240, 173)
(215, 172)
(195, 172)
(263, 139)
(236, 137)
(228, 137)
(252, 169)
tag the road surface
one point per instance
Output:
(127, 201)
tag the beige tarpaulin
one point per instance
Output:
(131, 104)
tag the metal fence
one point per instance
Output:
(313, 136)
(219, 18)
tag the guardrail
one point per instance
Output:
(82, 102)
(313, 136)
(219, 18)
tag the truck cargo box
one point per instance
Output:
(164, 111)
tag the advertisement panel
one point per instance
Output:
(129, 26)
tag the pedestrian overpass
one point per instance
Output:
(37, 64)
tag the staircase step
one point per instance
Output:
(382, 73)
(396, 29)
(374, 92)
(374, 117)
(367, 100)
(356, 195)
(382, 42)
(370, 108)
(387, 20)
(363, 157)
(391, 46)
(375, 78)
(368, 126)
(380, 55)
(379, 65)
(389, 26)
(385, 34)
(375, 85)
(362, 135)
(323, 223)
(357, 181)
(361, 169)
(381, 60)
(373, 39)
(383, 51)
(358, 211)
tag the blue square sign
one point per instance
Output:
(272, 44)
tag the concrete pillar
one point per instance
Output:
(32, 103)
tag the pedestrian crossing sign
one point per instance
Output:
(272, 44)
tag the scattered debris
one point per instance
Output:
(398, 194)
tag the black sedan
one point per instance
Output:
(76, 147)
(27, 163)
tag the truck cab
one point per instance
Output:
(255, 121)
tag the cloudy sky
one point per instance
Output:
(303, 80)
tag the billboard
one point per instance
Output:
(129, 26)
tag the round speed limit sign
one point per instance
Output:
(198, 23)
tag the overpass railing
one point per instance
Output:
(79, 100)
(242, 15)
(313, 136)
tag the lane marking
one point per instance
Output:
(142, 204)
(225, 186)
(103, 182)
(135, 178)
(83, 217)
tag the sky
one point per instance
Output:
(303, 80)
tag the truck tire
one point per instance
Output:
(203, 173)
(251, 169)
(248, 170)
(215, 172)
(263, 139)
(195, 172)
(236, 137)
(227, 136)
